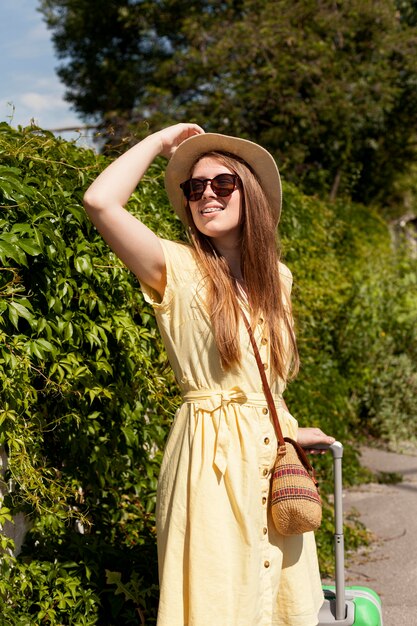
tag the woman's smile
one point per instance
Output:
(211, 209)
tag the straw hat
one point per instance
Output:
(262, 163)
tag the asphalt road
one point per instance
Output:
(389, 511)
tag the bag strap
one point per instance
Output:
(265, 384)
(272, 408)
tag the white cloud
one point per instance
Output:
(30, 90)
(40, 102)
(46, 108)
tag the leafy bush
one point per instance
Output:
(86, 394)
(356, 305)
(49, 593)
(87, 397)
(382, 332)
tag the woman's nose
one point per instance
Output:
(208, 191)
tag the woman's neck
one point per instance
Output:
(232, 254)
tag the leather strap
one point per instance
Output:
(265, 385)
(272, 408)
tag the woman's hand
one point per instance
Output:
(309, 437)
(172, 136)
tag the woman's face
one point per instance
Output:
(214, 216)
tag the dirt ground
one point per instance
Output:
(389, 511)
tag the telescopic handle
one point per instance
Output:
(339, 545)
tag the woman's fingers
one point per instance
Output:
(310, 437)
(173, 136)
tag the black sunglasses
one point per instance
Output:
(223, 185)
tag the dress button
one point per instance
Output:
(265, 366)
(266, 564)
(266, 441)
(265, 411)
(264, 341)
(265, 472)
(264, 500)
(264, 530)
(261, 320)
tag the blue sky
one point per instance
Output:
(29, 86)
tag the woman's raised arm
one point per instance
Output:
(135, 244)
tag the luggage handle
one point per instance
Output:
(336, 449)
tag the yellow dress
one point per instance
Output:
(221, 562)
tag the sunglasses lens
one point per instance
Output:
(193, 188)
(196, 189)
(222, 185)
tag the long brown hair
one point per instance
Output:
(260, 271)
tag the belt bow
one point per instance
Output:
(227, 396)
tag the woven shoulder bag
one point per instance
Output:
(294, 499)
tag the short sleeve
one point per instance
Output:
(180, 265)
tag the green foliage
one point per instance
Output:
(381, 334)
(86, 394)
(87, 397)
(355, 536)
(328, 87)
(356, 304)
(49, 593)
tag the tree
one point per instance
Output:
(328, 87)
(114, 53)
(322, 84)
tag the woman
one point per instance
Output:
(221, 562)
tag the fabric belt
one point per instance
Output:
(219, 414)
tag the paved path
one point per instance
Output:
(390, 512)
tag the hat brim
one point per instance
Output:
(259, 159)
